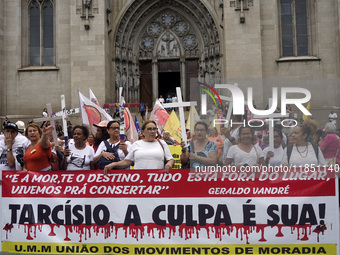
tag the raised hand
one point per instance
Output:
(48, 130)
(9, 139)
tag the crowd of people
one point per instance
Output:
(32, 148)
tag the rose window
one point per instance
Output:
(168, 19)
(147, 43)
(189, 41)
(181, 28)
(154, 29)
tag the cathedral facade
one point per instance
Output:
(150, 47)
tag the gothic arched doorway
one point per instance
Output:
(162, 44)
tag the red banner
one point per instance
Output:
(116, 105)
(155, 183)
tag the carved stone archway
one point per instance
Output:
(154, 30)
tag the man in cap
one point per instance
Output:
(12, 148)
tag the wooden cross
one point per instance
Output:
(51, 119)
(180, 104)
(270, 118)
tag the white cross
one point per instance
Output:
(64, 113)
(51, 119)
(121, 114)
(63, 109)
(228, 99)
(270, 118)
(180, 104)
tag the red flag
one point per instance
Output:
(93, 114)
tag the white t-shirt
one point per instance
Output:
(278, 155)
(297, 160)
(333, 117)
(161, 100)
(149, 155)
(228, 144)
(18, 148)
(121, 154)
(241, 157)
(70, 141)
(80, 159)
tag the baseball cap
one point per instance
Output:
(21, 125)
(12, 126)
(102, 124)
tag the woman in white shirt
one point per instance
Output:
(79, 155)
(148, 153)
(302, 153)
(274, 158)
(245, 153)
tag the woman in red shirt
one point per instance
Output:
(38, 154)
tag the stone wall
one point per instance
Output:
(88, 53)
(250, 54)
(243, 48)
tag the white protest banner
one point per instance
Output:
(68, 112)
(150, 212)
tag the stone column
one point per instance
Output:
(183, 76)
(154, 79)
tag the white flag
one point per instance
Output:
(159, 115)
(93, 97)
(90, 112)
